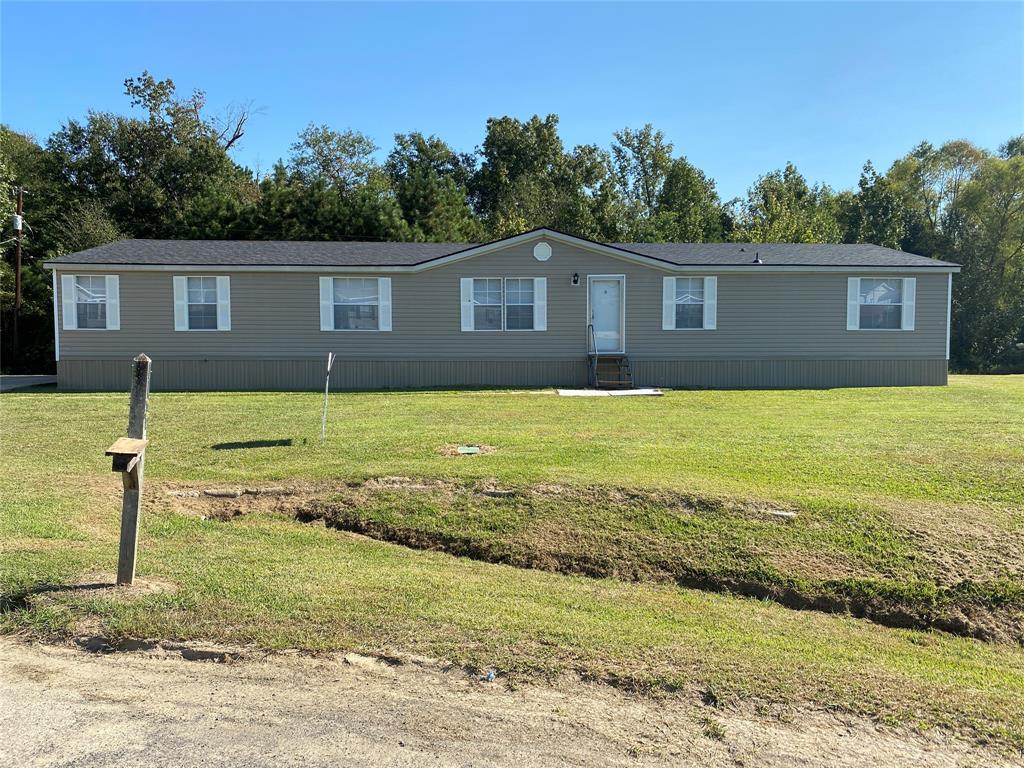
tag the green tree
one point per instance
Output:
(514, 187)
(876, 213)
(7, 177)
(688, 207)
(292, 208)
(56, 222)
(642, 160)
(782, 208)
(1012, 148)
(526, 179)
(146, 172)
(429, 180)
(342, 159)
(987, 228)
(930, 180)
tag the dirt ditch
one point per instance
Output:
(402, 511)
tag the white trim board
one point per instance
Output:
(341, 271)
(949, 312)
(56, 321)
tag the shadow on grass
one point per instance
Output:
(252, 444)
(21, 599)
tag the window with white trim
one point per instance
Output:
(504, 304)
(519, 304)
(356, 304)
(689, 301)
(881, 303)
(91, 301)
(487, 304)
(202, 303)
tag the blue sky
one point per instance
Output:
(739, 89)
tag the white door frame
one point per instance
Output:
(622, 310)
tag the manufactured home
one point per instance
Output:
(538, 309)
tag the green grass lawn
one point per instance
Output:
(907, 490)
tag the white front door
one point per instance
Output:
(606, 313)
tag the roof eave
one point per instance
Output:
(472, 251)
(412, 269)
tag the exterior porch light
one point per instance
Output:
(575, 278)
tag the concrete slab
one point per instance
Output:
(7, 383)
(649, 391)
(583, 393)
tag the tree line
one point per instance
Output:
(167, 171)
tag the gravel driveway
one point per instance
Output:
(65, 706)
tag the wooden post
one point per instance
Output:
(132, 470)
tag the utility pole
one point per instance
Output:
(19, 225)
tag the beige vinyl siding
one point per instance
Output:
(276, 315)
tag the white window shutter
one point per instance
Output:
(909, 302)
(384, 302)
(853, 304)
(467, 303)
(710, 303)
(180, 304)
(223, 303)
(540, 303)
(113, 303)
(326, 303)
(668, 304)
(67, 296)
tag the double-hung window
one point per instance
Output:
(91, 302)
(487, 304)
(355, 303)
(880, 303)
(504, 304)
(519, 304)
(202, 303)
(689, 303)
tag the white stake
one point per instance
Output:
(327, 386)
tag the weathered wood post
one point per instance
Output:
(129, 459)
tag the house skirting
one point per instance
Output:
(790, 374)
(358, 374)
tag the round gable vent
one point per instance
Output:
(542, 251)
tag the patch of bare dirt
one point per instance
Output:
(100, 585)
(405, 484)
(985, 540)
(451, 450)
(156, 706)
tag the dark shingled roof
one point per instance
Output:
(366, 254)
(789, 254)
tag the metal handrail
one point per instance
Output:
(592, 343)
